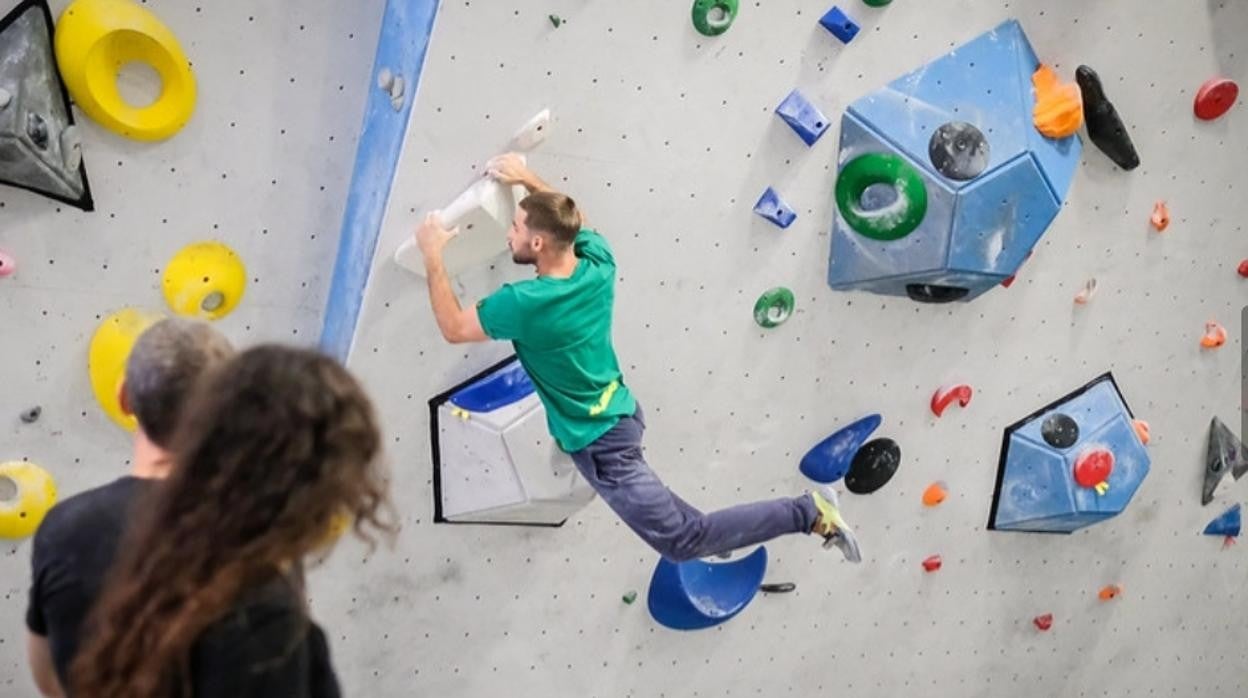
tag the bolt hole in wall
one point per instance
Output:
(139, 84)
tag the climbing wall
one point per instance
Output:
(263, 166)
(667, 138)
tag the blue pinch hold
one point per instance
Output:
(831, 458)
(1228, 524)
(509, 385)
(805, 118)
(839, 23)
(773, 208)
(693, 595)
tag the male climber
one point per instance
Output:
(560, 326)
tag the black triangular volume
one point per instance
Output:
(39, 147)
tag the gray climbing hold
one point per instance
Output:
(958, 150)
(31, 415)
(396, 92)
(5, 97)
(1225, 453)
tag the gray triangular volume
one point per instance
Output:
(39, 147)
(1226, 453)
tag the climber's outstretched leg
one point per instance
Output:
(615, 467)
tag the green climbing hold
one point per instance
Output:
(713, 17)
(556, 20)
(893, 221)
(876, 3)
(774, 307)
(629, 597)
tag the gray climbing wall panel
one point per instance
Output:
(263, 165)
(667, 139)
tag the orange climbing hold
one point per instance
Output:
(1142, 430)
(1161, 216)
(1109, 592)
(934, 494)
(1059, 106)
(1215, 335)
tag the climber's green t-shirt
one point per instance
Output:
(561, 329)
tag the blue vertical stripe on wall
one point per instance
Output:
(405, 31)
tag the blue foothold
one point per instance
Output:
(693, 595)
(804, 117)
(830, 459)
(1228, 524)
(773, 208)
(840, 24)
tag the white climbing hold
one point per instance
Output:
(1089, 288)
(396, 92)
(385, 79)
(5, 97)
(533, 133)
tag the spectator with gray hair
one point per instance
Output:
(75, 545)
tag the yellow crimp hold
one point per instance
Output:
(461, 413)
(605, 399)
(1102, 488)
(95, 39)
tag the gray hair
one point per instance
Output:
(163, 366)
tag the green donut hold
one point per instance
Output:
(774, 307)
(702, 16)
(892, 222)
(876, 3)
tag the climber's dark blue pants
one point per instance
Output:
(616, 469)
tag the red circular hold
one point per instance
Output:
(1243, 268)
(1215, 98)
(1093, 467)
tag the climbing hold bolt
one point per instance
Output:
(774, 307)
(946, 395)
(1161, 216)
(1215, 335)
(1215, 98)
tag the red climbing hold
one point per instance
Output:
(932, 563)
(1043, 622)
(1215, 98)
(1092, 467)
(8, 265)
(1243, 268)
(1161, 216)
(1109, 592)
(945, 396)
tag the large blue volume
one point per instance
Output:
(694, 594)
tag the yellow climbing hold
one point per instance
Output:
(95, 39)
(106, 358)
(27, 492)
(204, 280)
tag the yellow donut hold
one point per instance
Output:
(27, 492)
(106, 358)
(204, 280)
(95, 38)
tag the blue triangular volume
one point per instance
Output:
(1228, 524)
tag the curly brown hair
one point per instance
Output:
(275, 444)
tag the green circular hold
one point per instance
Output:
(774, 307)
(891, 222)
(713, 17)
(876, 3)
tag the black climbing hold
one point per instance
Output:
(31, 415)
(37, 129)
(1105, 127)
(1225, 453)
(1059, 430)
(778, 588)
(873, 466)
(929, 293)
(958, 150)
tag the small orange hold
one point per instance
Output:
(934, 494)
(1215, 335)
(1161, 216)
(1059, 106)
(1142, 430)
(1110, 592)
